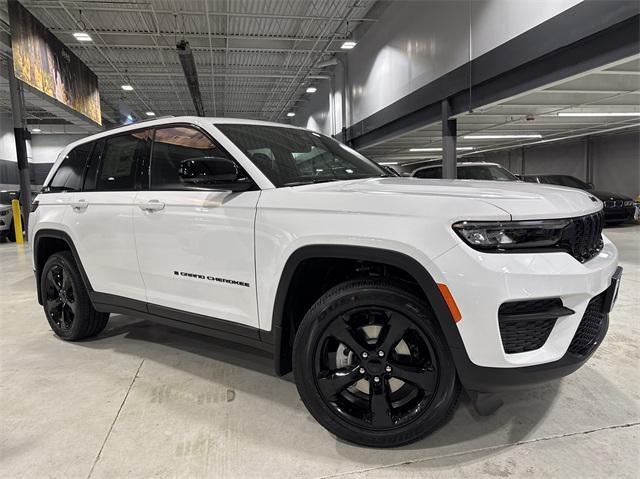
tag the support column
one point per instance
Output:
(449, 142)
(19, 132)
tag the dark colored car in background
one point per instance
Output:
(617, 208)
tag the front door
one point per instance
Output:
(195, 242)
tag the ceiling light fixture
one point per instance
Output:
(82, 37)
(348, 45)
(311, 89)
(388, 163)
(459, 148)
(36, 130)
(610, 113)
(150, 113)
(500, 137)
(291, 114)
(127, 87)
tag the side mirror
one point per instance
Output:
(221, 173)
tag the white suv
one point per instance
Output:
(384, 295)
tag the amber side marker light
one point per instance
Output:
(448, 298)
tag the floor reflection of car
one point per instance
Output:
(617, 208)
(469, 171)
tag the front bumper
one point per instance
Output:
(585, 342)
(482, 282)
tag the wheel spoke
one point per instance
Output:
(341, 331)
(380, 405)
(68, 315)
(335, 382)
(53, 304)
(66, 283)
(392, 333)
(423, 378)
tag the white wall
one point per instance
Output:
(45, 148)
(416, 42)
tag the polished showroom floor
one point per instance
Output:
(144, 400)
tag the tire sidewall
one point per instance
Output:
(341, 300)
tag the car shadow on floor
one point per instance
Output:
(125, 334)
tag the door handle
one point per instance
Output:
(152, 205)
(79, 205)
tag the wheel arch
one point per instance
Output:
(47, 242)
(279, 334)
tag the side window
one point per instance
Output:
(172, 146)
(429, 173)
(120, 157)
(70, 173)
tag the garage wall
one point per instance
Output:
(416, 42)
(42, 151)
(616, 161)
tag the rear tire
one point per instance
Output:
(371, 365)
(66, 301)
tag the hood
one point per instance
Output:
(519, 199)
(608, 196)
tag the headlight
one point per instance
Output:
(4, 212)
(510, 235)
(628, 203)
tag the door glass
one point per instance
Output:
(174, 145)
(120, 157)
(69, 175)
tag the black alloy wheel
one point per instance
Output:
(375, 368)
(59, 297)
(65, 299)
(372, 367)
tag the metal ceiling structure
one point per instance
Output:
(254, 58)
(611, 89)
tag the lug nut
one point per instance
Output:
(376, 379)
(365, 355)
(380, 353)
(388, 369)
(361, 370)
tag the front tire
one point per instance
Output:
(66, 301)
(371, 365)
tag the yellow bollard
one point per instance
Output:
(17, 221)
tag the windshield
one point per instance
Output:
(563, 180)
(485, 172)
(290, 157)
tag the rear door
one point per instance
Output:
(195, 240)
(101, 216)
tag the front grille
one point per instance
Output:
(582, 237)
(593, 322)
(526, 325)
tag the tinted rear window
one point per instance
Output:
(70, 173)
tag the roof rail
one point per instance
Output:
(140, 121)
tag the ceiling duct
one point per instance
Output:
(191, 74)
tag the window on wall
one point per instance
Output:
(70, 173)
(172, 146)
(120, 157)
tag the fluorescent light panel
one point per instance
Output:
(500, 137)
(610, 113)
(459, 148)
(386, 163)
(348, 45)
(127, 87)
(82, 36)
(36, 130)
(291, 114)
(312, 89)
(150, 113)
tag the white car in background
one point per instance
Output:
(385, 295)
(468, 171)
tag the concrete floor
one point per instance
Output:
(144, 400)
